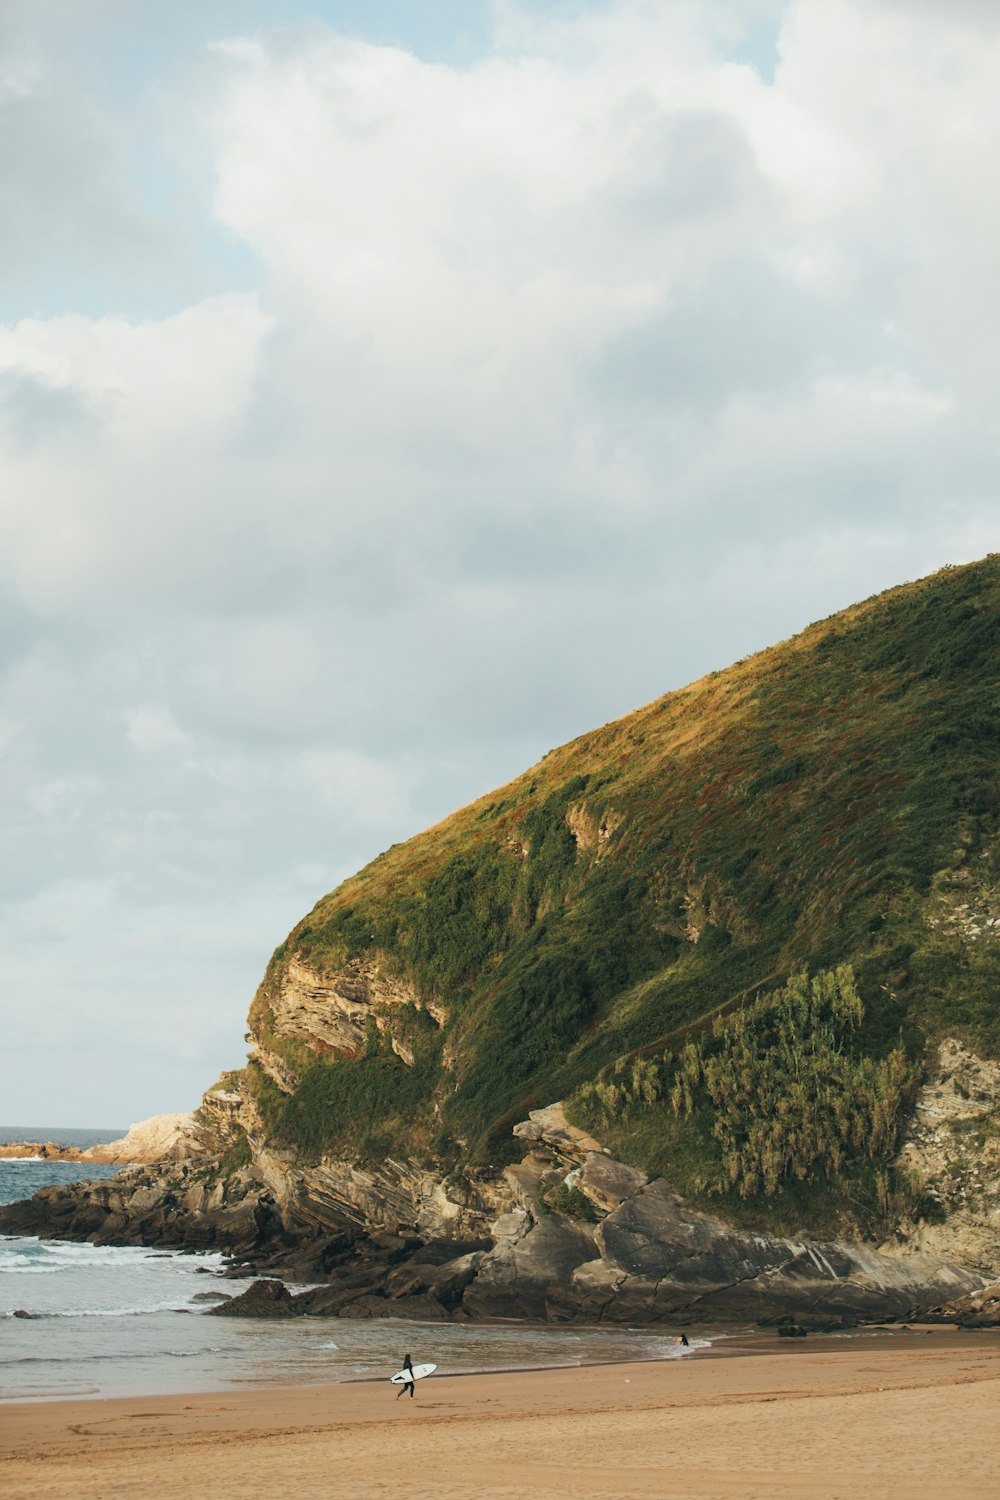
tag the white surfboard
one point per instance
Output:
(419, 1371)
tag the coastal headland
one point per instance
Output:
(161, 1138)
(695, 1020)
(910, 1418)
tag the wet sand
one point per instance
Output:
(905, 1417)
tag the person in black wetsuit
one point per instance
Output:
(408, 1385)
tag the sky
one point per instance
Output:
(392, 391)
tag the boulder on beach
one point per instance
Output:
(264, 1299)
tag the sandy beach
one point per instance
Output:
(913, 1416)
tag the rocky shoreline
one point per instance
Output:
(42, 1151)
(395, 1241)
(170, 1137)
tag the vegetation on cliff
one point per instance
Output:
(778, 1092)
(656, 886)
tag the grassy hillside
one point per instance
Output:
(831, 801)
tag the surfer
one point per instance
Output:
(410, 1384)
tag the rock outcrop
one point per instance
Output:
(181, 1205)
(951, 1149)
(648, 1258)
(262, 1299)
(977, 1310)
(40, 1150)
(170, 1137)
(658, 1261)
(566, 1235)
(328, 1012)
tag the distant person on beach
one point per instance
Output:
(685, 1341)
(408, 1385)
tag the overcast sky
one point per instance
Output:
(391, 390)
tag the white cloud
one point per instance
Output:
(111, 498)
(568, 374)
(154, 729)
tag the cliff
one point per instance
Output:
(749, 936)
(830, 802)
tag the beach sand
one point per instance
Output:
(907, 1417)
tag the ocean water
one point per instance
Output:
(117, 1321)
(57, 1134)
(21, 1177)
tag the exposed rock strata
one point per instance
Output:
(649, 1258)
(394, 1241)
(177, 1205)
(332, 1194)
(952, 1150)
(328, 1012)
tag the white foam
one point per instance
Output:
(135, 1311)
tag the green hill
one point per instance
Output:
(628, 926)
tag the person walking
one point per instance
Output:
(408, 1385)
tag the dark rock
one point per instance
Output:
(300, 1257)
(441, 1252)
(424, 1309)
(394, 1243)
(327, 1301)
(212, 1297)
(532, 1261)
(653, 1259)
(420, 1309)
(19, 1312)
(167, 1205)
(446, 1282)
(365, 1307)
(264, 1299)
(88, 1220)
(791, 1331)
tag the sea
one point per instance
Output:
(125, 1321)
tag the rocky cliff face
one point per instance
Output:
(630, 1251)
(324, 1013)
(565, 1235)
(182, 1204)
(627, 927)
(835, 795)
(951, 1148)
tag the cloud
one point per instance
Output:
(128, 425)
(568, 372)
